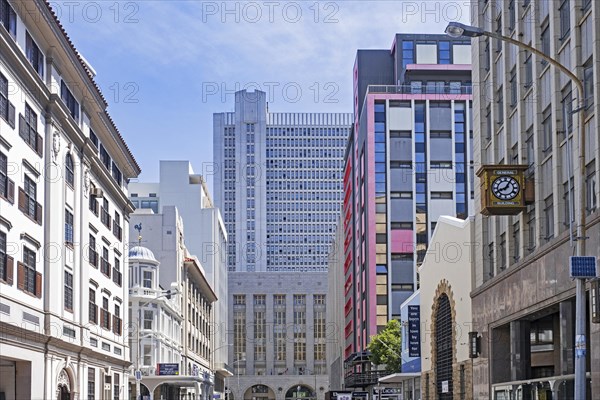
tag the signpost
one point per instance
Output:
(414, 331)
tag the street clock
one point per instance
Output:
(504, 189)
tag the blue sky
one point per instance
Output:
(165, 66)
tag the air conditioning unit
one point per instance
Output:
(96, 192)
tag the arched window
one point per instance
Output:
(443, 343)
(69, 170)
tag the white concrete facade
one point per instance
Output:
(205, 236)
(164, 235)
(64, 169)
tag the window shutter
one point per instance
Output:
(20, 276)
(22, 200)
(108, 321)
(11, 115)
(38, 285)
(101, 317)
(96, 314)
(38, 213)
(9, 269)
(39, 145)
(22, 127)
(10, 189)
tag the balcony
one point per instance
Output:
(363, 379)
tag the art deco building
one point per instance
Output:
(278, 181)
(64, 172)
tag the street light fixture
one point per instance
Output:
(456, 30)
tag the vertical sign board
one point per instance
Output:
(414, 331)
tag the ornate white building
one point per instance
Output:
(64, 208)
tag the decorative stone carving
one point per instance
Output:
(86, 181)
(63, 380)
(55, 146)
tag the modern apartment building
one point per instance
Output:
(526, 112)
(408, 161)
(181, 271)
(279, 335)
(64, 170)
(278, 182)
(206, 238)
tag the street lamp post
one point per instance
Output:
(238, 376)
(456, 30)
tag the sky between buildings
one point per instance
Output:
(165, 66)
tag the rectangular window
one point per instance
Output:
(68, 227)
(531, 230)
(148, 319)
(29, 273)
(441, 195)
(547, 131)
(545, 43)
(28, 130)
(512, 16)
(588, 84)
(440, 164)
(5, 265)
(499, 32)
(104, 264)
(91, 385)
(105, 314)
(147, 283)
(565, 19)
(116, 386)
(486, 55)
(514, 88)
(549, 218)
(116, 174)
(567, 107)
(500, 104)
(401, 195)
(591, 189)
(68, 291)
(8, 18)
(69, 100)
(93, 308)
(7, 109)
(528, 71)
(94, 139)
(440, 134)
(34, 55)
(27, 199)
(104, 157)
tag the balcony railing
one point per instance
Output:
(364, 379)
(421, 89)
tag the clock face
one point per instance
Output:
(506, 188)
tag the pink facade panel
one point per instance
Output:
(402, 241)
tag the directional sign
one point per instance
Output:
(583, 267)
(414, 331)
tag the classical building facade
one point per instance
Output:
(64, 172)
(156, 329)
(279, 335)
(408, 161)
(205, 236)
(180, 271)
(526, 112)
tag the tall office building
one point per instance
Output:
(408, 162)
(279, 185)
(526, 112)
(64, 215)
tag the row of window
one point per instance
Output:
(103, 261)
(306, 143)
(102, 316)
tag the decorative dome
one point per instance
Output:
(142, 253)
